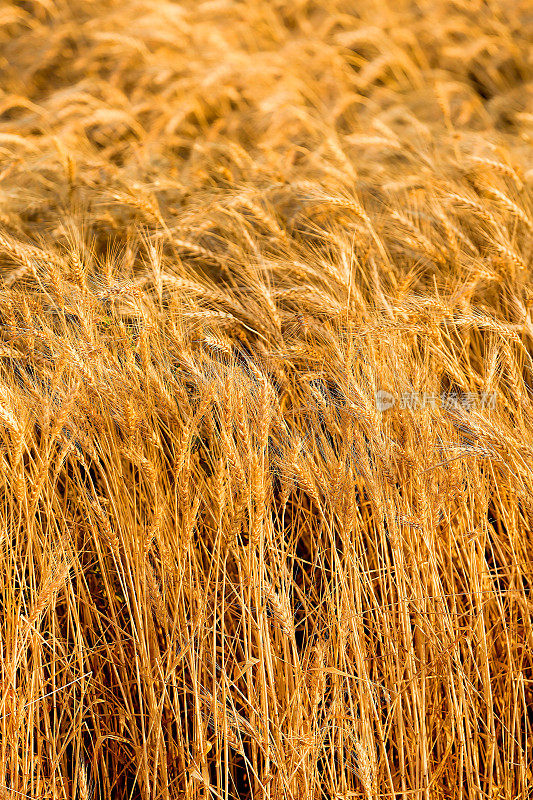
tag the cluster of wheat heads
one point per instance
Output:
(226, 570)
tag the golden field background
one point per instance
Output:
(226, 571)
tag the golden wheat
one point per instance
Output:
(266, 399)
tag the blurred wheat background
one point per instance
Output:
(226, 570)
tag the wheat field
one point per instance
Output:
(266, 411)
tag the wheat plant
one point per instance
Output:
(266, 413)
